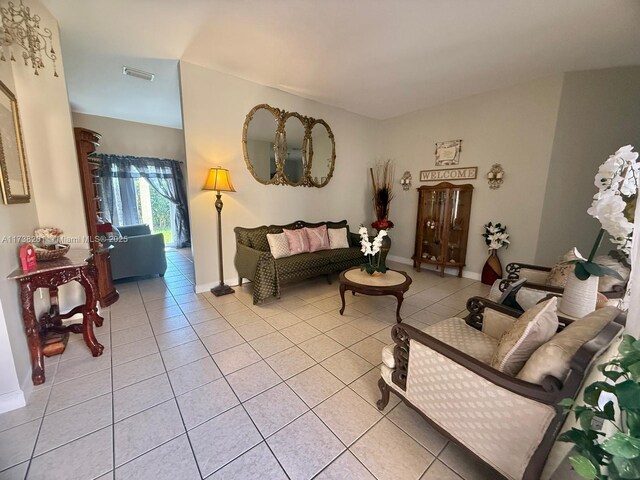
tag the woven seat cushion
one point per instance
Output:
(302, 261)
(339, 255)
(455, 332)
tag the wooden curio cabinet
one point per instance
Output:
(86, 144)
(443, 226)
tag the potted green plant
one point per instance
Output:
(617, 456)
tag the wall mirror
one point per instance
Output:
(259, 140)
(13, 167)
(321, 153)
(286, 148)
(294, 149)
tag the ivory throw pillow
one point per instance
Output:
(298, 241)
(533, 328)
(318, 238)
(278, 245)
(554, 357)
(338, 238)
(496, 324)
(560, 272)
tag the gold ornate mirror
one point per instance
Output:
(259, 141)
(294, 149)
(286, 148)
(14, 182)
(322, 153)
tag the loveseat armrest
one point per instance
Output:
(535, 273)
(476, 307)
(247, 259)
(402, 334)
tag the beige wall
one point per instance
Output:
(599, 112)
(18, 219)
(55, 197)
(513, 127)
(214, 108)
(121, 137)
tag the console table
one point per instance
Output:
(78, 265)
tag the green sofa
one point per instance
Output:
(254, 261)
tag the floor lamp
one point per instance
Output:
(220, 181)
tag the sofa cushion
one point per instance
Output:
(278, 245)
(298, 241)
(533, 328)
(340, 255)
(455, 332)
(560, 272)
(302, 261)
(338, 238)
(318, 238)
(496, 324)
(258, 238)
(554, 357)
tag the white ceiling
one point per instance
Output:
(378, 58)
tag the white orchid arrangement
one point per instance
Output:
(496, 236)
(617, 182)
(371, 249)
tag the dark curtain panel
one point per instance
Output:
(117, 174)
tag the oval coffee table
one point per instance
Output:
(390, 283)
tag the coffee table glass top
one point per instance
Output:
(388, 279)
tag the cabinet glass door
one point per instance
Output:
(433, 228)
(458, 226)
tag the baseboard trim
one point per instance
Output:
(451, 271)
(12, 400)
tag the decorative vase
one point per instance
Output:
(579, 297)
(492, 269)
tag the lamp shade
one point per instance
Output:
(219, 179)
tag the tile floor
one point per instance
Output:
(193, 386)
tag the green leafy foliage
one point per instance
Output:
(616, 457)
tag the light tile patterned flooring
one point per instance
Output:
(193, 386)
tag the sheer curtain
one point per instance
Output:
(118, 174)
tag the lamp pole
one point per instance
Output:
(222, 288)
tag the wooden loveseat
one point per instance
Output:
(253, 259)
(509, 423)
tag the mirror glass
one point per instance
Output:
(294, 160)
(259, 143)
(322, 157)
(13, 170)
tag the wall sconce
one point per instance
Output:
(405, 181)
(495, 176)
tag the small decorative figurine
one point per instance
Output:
(28, 257)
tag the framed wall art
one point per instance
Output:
(448, 153)
(13, 166)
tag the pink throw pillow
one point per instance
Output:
(318, 238)
(298, 241)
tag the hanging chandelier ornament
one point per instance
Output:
(22, 28)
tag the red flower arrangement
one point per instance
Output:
(382, 224)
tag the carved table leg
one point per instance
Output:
(384, 390)
(342, 289)
(400, 297)
(90, 312)
(31, 328)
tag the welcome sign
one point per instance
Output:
(468, 173)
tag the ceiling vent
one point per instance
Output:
(142, 75)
